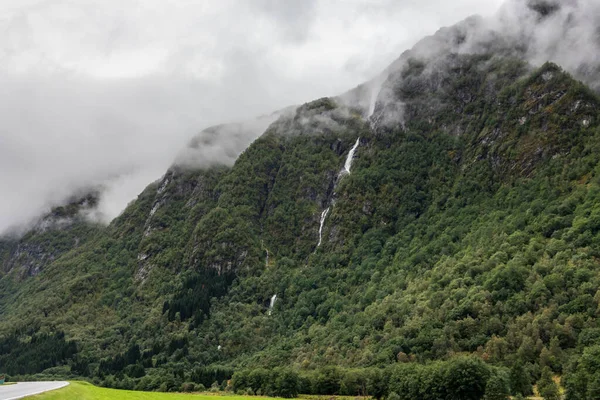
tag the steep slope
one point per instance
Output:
(27, 254)
(62, 229)
(412, 210)
(453, 213)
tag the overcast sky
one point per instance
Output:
(108, 91)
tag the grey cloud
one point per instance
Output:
(293, 18)
(107, 93)
(208, 147)
(564, 32)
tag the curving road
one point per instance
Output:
(24, 389)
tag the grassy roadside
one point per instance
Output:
(87, 391)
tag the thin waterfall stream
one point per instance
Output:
(272, 304)
(345, 171)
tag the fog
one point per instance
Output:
(566, 32)
(107, 93)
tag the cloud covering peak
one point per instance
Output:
(107, 93)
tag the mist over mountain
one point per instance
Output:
(432, 233)
(129, 130)
(108, 93)
(565, 32)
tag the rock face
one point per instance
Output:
(467, 223)
(61, 230)
(181, 198)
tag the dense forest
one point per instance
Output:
(446, 250)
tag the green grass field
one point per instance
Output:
(87, 391)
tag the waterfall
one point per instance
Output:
(346, 170)
(267, 260)
(323, 216)
(272, 304)
(348, 163)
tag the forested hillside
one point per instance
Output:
(439, 242)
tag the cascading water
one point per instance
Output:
(272, 304)
(267, 260)
(323, 216)
(346, 170)
(348, 163)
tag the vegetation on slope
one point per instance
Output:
(465, 239)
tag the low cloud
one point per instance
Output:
(566, 32)
(107, 93)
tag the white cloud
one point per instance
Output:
(109, 91)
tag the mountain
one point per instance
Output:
(433, 233)
(59, 231)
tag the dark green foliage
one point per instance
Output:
(365, 382)
(582, 380)
(498, 386)
(34, 352)
(188, 387)
(207, 375)
(193, 299)
(520, 382)
(129, 363)
(327, 381)
(458, 257)
(279, 382)
(285, 382)
(547, 388)
(80, 366)
(461, 378)
(466, 378)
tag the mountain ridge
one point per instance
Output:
(466, 225)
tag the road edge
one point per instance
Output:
(40, 392)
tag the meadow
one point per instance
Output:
(87, 391)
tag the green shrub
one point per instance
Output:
(188, 387)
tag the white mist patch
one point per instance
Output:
(222, 144)
(375, 87)
(121, 191)
(372, 104)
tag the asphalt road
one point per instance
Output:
(24, 389)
